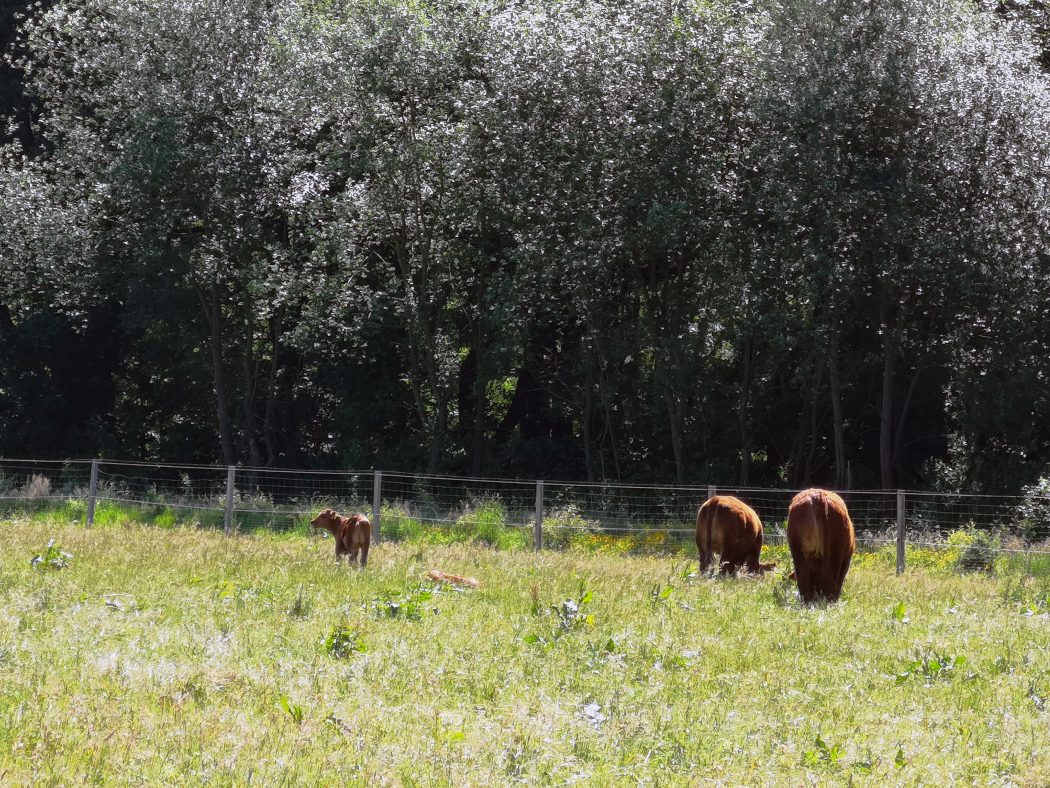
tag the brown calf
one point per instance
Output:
(820, 535)
(729, 527)
(352, 534)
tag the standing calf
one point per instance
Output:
(820, 535)
(352, 534)
(729, 527)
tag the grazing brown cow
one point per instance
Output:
(352, 534)
(729, 527)
(820, 535)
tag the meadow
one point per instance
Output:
(135, 653)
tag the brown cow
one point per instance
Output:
(729, 527)
(820, 535)
(352, 534)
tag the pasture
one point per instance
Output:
(178, 656)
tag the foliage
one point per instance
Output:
(460, 693)
(976, 549)
(573, 240)
(344, 641)
(53, 557)
(1034, 511)
(566, 525)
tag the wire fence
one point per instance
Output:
(503, 513)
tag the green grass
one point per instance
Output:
(174, 655)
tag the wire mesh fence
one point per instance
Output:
(504, 513)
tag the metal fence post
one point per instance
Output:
(710, 491)
(900, 532)
(377, 489)
(231, 472)
(537, 533)
(92, 492)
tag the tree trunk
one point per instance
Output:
(744, 415)
(480, 409)
(271, 392)
(588, 410)
(836, 409)
(807, 474)
(674, 418)
(902, 420)
(440, 426)
(248, 400)
(213, 314)
(889, 372)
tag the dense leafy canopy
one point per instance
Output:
(781, 242)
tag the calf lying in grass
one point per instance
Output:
(352, 534)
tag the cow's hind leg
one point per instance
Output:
(754, 566)
(839, 580)
(807, 586)
(364, 556)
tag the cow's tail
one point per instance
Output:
(703, 525)
(822, 515)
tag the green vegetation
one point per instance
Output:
(167, 655)
(757, 244)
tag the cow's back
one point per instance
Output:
(729, 527)
(821, 539)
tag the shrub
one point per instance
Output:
(37, 487)
(344, 641)
(75, 509)
(486, 522)
(567, 525)
(976, 550)
(53, 557)
(399, 523)
(166, 518)
(1034, 511)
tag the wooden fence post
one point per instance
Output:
(231, 473)
(710, 491)
(900, 532)
(377, 500)
(537, 533)
(92, 493)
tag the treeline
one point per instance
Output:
(774, 242)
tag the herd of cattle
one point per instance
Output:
(819, 533)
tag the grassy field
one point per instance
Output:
(173, 655)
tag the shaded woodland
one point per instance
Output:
(772, 243)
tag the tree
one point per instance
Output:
(172, 147)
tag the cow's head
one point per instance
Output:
(327, 519)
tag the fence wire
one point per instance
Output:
(503, 513)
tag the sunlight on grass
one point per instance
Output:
(173, 654)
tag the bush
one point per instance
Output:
(567, 525)
(1034, 511)
(486, 522)
(975, 550)
(400, 524)
(166, 518)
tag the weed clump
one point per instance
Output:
(344, 641)
(977, 550)
(53, 557)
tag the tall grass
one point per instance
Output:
(175, 655)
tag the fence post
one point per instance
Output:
(231, 472)
(377, 489)
(92, 492)
(537, 532)
(900, 532)
(710, 491)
